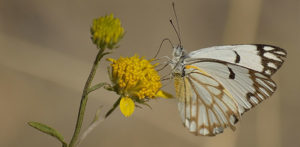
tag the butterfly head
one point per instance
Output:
(178, 51)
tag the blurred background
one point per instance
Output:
(46, 55)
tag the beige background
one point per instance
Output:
(46, 54)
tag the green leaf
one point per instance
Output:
(48, 130)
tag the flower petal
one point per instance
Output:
(127, 106)
(163, 94)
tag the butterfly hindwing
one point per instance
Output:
(205, 106)
(248, 87)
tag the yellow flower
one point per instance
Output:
(106, 32)
(136, 80)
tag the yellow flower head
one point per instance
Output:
(107, 31)
(135, 77)
(136, 80)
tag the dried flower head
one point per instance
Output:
(107, 31)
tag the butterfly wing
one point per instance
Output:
(211, 85)
(266, 59)
(205, 106)
(247, 87)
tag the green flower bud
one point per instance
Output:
(107, 31)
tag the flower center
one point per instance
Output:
(135, 77)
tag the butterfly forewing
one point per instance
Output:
(258, 57)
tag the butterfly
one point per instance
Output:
(215, 86)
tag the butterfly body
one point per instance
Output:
(216, 85)
(176, 63)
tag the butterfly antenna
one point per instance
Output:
(171, 21)
(178, 28)
(166, 39)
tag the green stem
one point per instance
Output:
(95, 87)
(84, 98)
(64, 144)
(116, 104)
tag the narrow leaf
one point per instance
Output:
(48, 130)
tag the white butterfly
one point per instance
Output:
(216, 85)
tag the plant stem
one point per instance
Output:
(64, 145)
(93, 88)
(116, 104)
(84, 98)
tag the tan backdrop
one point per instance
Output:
(46, 54)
